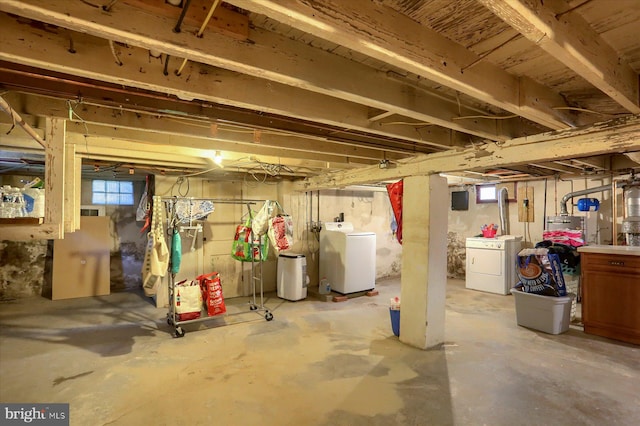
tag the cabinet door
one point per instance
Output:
(610, 305)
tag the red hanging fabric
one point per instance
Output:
(395, 191)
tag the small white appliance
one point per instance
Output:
(491, 263)
(292, 279)
(347, 258)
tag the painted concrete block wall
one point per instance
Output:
(22, 263)
(368, 210)
(547, 197)
(213, 246)
(468, 223)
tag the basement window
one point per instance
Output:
(112, 192)
(486, 194)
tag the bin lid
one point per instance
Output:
(291, 255)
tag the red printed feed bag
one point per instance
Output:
(212, 294)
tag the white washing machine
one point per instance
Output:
(491, 263)
(347, 258)
(292, 276)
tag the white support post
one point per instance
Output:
(424, 261)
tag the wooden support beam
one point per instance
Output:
(614, 136)
(553, 167)
(73, 164)
(378, 31)
(168, 143)
(571, 40)
(163, 152)
(269, 56)
(380, 114)
(225, 21)
(46, 50)
(229, 136)
(20, 122)
(54, 178)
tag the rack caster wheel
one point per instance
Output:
(253, 307)
(268, 316)
(169, 322)
(179, 332)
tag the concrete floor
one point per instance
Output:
(317, 363)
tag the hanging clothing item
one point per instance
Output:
(156, 256)
(188, 210)
(395, 191)
(160, 254)
(176, 252)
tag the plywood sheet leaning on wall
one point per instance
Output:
(81, 260)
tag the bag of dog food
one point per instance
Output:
(540, 272)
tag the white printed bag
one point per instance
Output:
(260, 222)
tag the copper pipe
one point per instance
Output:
(16, 118)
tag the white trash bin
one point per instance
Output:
(292, 279)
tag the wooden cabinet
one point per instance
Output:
(611, 295)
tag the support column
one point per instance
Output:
(424, 260)
(73, 171)
(55, 174)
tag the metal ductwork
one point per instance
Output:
(634, 156)
(504, 215)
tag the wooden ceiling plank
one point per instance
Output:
(378, 31)
(572, 41)
(614, 136)
(171, 142)
(554, 167)
(596, 163)
(34, 47)
(153, 124)
(224, 21)
(269, 56)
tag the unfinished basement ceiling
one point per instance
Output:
(298, 89)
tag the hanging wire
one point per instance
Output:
(180, 181)
(108, 7)
(113, 52)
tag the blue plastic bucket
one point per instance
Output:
(395, 321)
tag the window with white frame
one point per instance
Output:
(112, 192)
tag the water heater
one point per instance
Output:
(631, 222)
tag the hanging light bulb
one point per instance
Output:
(217, 158)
